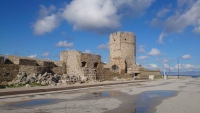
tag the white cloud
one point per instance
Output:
(181, 19)
(45, 11)
(187, 3)
(163, 12)
(45, 54)
(161, 36)
(33, 56)
(197, 28)
(152, 66)
(87, 51)
(47, 24)
(64, 44)
(47, 20)
(178, 22)
(143, 57)
(166, 66)
(141, 49)
(102, 15)
(103, 46)
(187, 56)
(154, 52)
(187, 67)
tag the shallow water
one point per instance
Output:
(36, 102)
(147, 100)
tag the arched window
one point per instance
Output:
(114, 67)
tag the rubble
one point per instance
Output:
(46, 79)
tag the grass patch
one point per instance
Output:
(14, 86)
(23, 85)
(36, 84)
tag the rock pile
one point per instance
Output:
(46, 79)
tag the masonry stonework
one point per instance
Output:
(81, 64)
(122, 51)
(123, 55)
(20, 60)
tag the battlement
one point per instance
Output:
(122, 37)
(122, 33)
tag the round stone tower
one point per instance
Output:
(122, 52)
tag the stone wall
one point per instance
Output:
(59, 64)
(122, 50)
(73, 63)
(1, 59)
(60, 67)
(15, 64)
(58, 70)
(34, 69)
(146, 73)
(45, 63)
(20, 60)
(8, 72)
(81, 64)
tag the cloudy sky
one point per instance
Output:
(166, 30)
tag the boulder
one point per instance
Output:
(10, 83)
(43, 83)
(55, 80)
(27, 85)
(45, 74)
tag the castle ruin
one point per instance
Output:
(82, 65)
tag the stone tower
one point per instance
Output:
(122, 52)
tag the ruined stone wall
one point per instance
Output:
(122, 50)
(8, 72)
(60, 67)
(59, 64)
(27, 62)
(81, 64)
(34, 69)
(146, 73)
(15, 64)
(45, 63)
(1, 59)
(12, 59)
(20, 60)
(90, 60)
(73, 62)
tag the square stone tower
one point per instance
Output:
(81, 64)
(122, 52)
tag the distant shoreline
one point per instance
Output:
(183, 75)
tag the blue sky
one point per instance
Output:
(166, 30)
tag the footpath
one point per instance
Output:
(39, 89)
